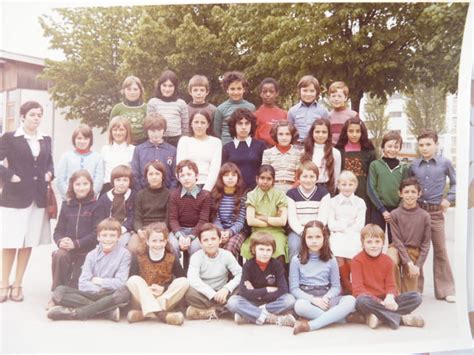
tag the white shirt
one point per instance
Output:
(318, 159)
(114, 155)
(33, 141)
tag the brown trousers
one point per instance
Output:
(400, 271)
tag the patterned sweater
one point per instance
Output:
(160, 272)
(175, 113)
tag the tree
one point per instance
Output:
(426, 108)
(375, 119)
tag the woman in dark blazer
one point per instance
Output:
(27, 168)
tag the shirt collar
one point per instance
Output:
(110, 194)
(434, 157)
(248, 140)
(342, 198)
(194, 192)
(21, 132)
(315, 103)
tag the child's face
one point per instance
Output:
(199, 94)
(81, 142)
(427, 147)
(347, 187)
(156, 242)
(354, 133)
(156, 135)
(132, 92)
(108, 239)
(308, 93)
(320, 134)
(242, 129)
(265, 181)
(235, 91)
(230, 179)
(154, 177)
(268, 94)
(308, 179)
(337, 99)
(199, 125)
(263, 253)
(391, 149)
(121, 184)
(284, 136)
(167, 88)
(187, 178)
(314, 239)
(210, 242)
(33, 118)
(373, 246)
(81, 187)
(409, 196)
(119, 134)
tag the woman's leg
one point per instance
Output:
(21, 264)
(8, 256)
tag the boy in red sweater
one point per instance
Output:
(374, 286)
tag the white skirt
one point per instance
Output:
(24, 227)
(345, 245)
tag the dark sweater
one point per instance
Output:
(104, 208)
(272, 276)
(151, 205)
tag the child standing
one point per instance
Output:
(268, 113)
(267, 212)
(167, 104)
(303, 114)
(284, 157)
(119, 151)
(80, 158)
(102, 288)
(431, 171)
(198, 88)
(133, 108)
(376, 294)
(208, 276)
(228, 208)
(314, 281)
(411, 237)
(338, 96)
(263, 291)
(235, 85)
(160, 283)
(385, 176)
(346, 218)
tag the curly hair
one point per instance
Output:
(238, 115)
(231, 76)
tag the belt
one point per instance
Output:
(430, 207)
(284, 182)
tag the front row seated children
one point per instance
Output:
(345, 221)
(263, 291)
(161, 282)
(102, 288)
(314, 281)
(208, 276)
(374, 286)
(411, 233)
(189, 209)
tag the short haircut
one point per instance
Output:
(121, 171)
(129, 81)
(348, 175)
(198, 80)
(411, 181)
(390, 136)
(239, 115)
(206, 227)
(29, 105)
(86, 131)
(186, 163)
(308, 80)
(158, 165)
(261, 238)
(109, 224)
(266, 168)
(76, 175)
(428, 133)
(269, 81)
(164, 77)
(154, 121)
(372, 231)
(209, 130)
(120, 121)
(276, 125)
(307, 165)
(232, 76)
(156, 227)
(339, 85)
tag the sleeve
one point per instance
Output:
(89, 241)
(225, 154)
(266, 157)
(334, 280)
(236, 270)
(138, 217)
(451, 173)
(337, 164)
(136, 171)
(204, 212)
(184, 114)
(396, 238)
(173, 212)
(182, 149)
(194, 277)
(61, 177)
(294, 278)
(240, 221)
(293, 221)
(98, 175)
(425, 243)
(5, 173)
(152, 106)
(214, 167)
(252, 295)
(333, 224)
(291, 117)
(390, 285)
(85, 283)
(218, 118)
(61, 225)
(282, 285)
(115, 111)
(358, 279)
(360, 219)
(121, 275)
(130, 208)
(324, 209)
(172, 177)
(371, 188)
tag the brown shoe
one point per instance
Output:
(201, 313)
(301, 326)
(134, 316)
(413, 320)
(174, 318)
(17, 295)
(355, 317)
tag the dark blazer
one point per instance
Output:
(32, 171)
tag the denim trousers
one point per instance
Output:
(294, 244)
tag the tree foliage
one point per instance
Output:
(375, 119)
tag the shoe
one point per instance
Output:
(413, 320)
(174, 318)
(134, 316)
(301, 326)
(50, 304)
(62, 313)
(372, 321)
(201, 313)
(19, 294)
(286, 320)
(113, 315)
(450, 299)
(4, 292)
(355, 317)
(238, 319)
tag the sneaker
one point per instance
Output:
(134, 316)
(372, 321)
(301, 326)
(286, 320)
(413, 320)
(201, 313)
(62, 313)
(450, 299)
(175, 318)
(113, 315)
(238, 319)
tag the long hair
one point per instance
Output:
(217, 192)
(70, 194)
(328, 156)
(364, 141)
(165, 76)
(325, 252)
(209, 130)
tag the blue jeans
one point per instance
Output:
(254, 313)
(294, 244)
(194, 247)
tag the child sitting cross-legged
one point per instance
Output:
(263, 292)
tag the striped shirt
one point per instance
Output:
(285, 164)
(175, 113)
(225, 215)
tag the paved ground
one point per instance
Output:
(25, 328)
